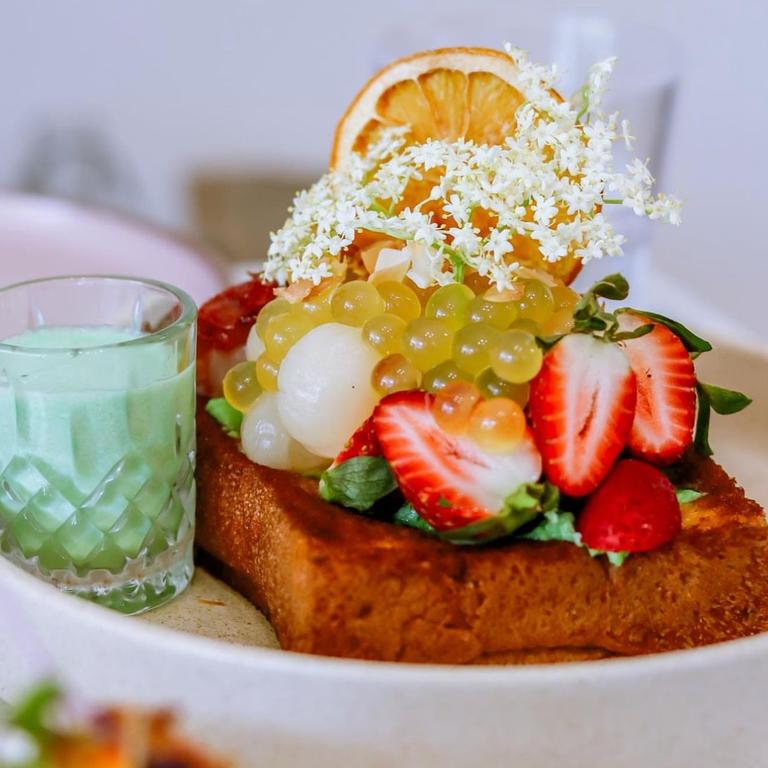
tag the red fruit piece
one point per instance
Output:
(449, 480)
(581, 407)
(634, 510)
(362, 443)
(223, 324)
(665, 415)
(225, 320)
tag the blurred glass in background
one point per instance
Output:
(78, 161)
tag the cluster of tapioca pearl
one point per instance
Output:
(427, 338)
(476, 355)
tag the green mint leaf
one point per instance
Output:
(688, 495)
(33, 713)
(611, 287)
(703, 416)
(616, 558)
(409, 517)
(228, 417)
(693, 343)
(725, 401)
(719, 400)
(520, 507)
(555, 526)
(358, 483)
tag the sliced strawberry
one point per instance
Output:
(634, 510)
(581, 407)
(222, 329)
(363, 442)
(449, 480)
(666, 392)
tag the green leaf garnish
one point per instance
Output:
(358, 483)
(613, 287)
(615, 558)
(555, 526)
(590, 316)
(693, 343)
(228, 417)
(408, 516)
(688, 495)
(33, 713)
(520, 507)
(725, 401)
(719, 400)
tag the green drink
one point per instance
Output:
(97, 458)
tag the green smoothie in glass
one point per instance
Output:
(97, 456)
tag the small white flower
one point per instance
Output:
(545, 209)
(560, 158)
(497, 244)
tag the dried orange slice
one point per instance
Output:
(450, 93)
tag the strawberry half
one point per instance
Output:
(363, 442)
(581, 407)
(662, 430)
(449, 480)
(634, 510)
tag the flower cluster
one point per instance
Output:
(547, 183)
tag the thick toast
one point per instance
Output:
(339, 584)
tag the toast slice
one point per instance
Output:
(340, 584)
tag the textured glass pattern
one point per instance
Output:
(97, 459)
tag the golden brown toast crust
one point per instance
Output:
(339, 584)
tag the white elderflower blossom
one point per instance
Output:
(550, 182)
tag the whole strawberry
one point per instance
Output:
(635, 509)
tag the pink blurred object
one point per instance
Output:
(43, 237)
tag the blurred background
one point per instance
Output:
(206, 116)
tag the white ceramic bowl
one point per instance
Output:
(43, 237)
(703, 708)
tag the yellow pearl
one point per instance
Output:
(453, 406)
(441, 375)
(394, 373)
(241, 386)
(271, 310)
(497, 425)
(499, 314)
(384, 333)
(537, 303)
(283, 332)
(356, 302)
(471, 345)
(400, 300)
(427, 342)
(449, 303)
(266, 373)
(516, 356)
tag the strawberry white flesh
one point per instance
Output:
(662, 430)
(449, 480)
(581, 406)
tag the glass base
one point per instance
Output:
(140, 587)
